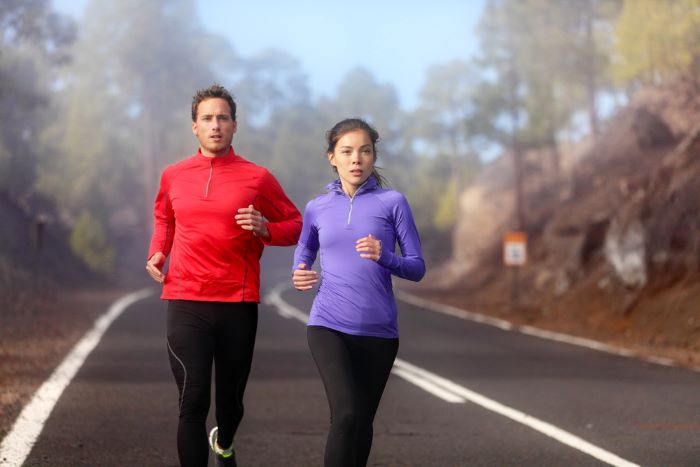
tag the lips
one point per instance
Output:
(357, 173)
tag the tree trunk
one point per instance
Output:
(148, 167)
(591, 85)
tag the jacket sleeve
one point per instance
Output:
(283, 218)
(410, 265)
(164, 219)
(308, 245)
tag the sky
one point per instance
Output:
(397, 41)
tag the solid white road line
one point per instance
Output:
(530, 330)
(452, 392)
(19, 441)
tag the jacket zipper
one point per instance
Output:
(211, 171)
(352, 198)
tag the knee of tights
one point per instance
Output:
(194, 404)
(345, 421)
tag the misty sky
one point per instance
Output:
(395, 40)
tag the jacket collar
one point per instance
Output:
(221, 160)
(336, 187)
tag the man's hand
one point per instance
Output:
(304, 279)
(369, 247)
(154, 267)
(250, 219)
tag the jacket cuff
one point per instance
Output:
(386, 258)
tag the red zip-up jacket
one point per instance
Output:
(211, 257)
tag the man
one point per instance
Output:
(214, 213)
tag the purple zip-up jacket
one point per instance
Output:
(355, 294)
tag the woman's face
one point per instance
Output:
(353, 157)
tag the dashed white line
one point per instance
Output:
(543, 427)
(426, 384)
(19, 441)
(452, 392)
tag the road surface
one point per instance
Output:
(514, 399)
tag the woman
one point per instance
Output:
(352, 329)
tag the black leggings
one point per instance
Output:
(200, 333)
(354, 370)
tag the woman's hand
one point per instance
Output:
(154, 267)
(369, 247)
(304, 279)
(251, 219)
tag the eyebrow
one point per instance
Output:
(215, 115)
(352, 147)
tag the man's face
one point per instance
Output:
(214, 127)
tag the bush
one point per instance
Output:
(91, 244)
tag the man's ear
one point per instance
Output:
(194, 128)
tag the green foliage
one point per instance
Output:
(446, 105)
(360, 95)
(268, 82)
(91, 243)
(657, 40)
(297, 153)
(446, 207)
(102, 129)
(544, 61)
(122, 111)
(32, 43)
(33, 22)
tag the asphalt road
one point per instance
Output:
(120, 409)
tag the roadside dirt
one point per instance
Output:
(663, 325)
(36, 337)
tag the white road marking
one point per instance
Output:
(19, 441)
(543, 427)
(530, 330)
(452, 392)
(426, 384)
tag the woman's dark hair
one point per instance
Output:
(353, 124)
(213, 91)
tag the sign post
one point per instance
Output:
(515, 257)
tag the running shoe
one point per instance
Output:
(224, 457)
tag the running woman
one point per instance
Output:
(352, 330)
(214, 213)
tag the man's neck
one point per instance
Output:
(212, 155)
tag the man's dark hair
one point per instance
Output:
(213, 91)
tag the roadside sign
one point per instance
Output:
(515, 249)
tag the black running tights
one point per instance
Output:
(354, 370)
(200, 333)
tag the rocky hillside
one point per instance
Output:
(614, 233)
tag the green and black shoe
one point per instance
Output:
(224, 457)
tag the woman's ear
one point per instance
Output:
(331, 158)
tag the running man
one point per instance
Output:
(214, 213)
